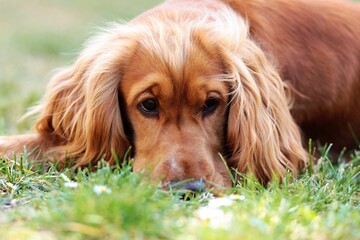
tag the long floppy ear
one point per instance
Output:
(80, 112)
(261, 133)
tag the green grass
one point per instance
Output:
(113, 202)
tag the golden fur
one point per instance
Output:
(271, 66)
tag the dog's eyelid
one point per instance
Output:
(214, 94)
(144, 95)
(217, 96)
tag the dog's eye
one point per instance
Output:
(149, 107)
(209, 106)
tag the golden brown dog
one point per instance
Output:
(191, 80)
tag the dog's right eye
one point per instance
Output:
(149, 107)
(210, 106)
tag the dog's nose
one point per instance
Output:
(195, 186)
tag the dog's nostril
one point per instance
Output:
(196, 186)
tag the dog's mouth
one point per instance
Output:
(186, 189)
(191, 185)
(192, 188)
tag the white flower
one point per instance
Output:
(71, 184)
(215, 217)
(220, 202)
(237, 197)
(65, 177)
(215, 214)
(206, 213)
(99, 189)
(12, 186)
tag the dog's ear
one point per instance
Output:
(80, 112)
(261, 133)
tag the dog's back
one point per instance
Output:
(316, 46)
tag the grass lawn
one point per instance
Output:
(114, 203)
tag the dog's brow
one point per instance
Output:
(149, 81)
(212, 85)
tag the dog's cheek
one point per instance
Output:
(144, 161)
(139, 164)
(127, 124)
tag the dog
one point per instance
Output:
(198, 87)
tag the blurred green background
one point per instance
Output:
(38, 36)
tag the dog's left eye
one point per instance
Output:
(149, 107)
(209, 106)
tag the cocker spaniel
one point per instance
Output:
(191, 81)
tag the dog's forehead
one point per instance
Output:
(174, 70)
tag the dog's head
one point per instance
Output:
(183, 91)
(175, 99)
